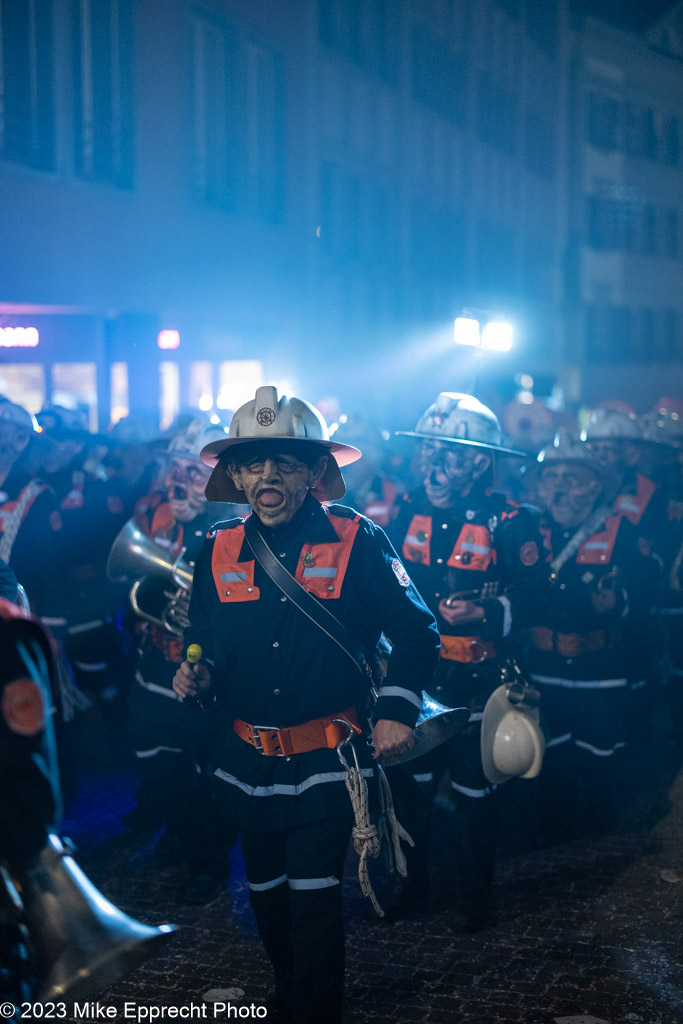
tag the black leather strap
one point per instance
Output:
(300, 597)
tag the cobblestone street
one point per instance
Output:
(586, 932)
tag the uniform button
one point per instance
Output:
(439, 561)
(331, 587)
(283, 598)
(198, 533)
(439, 688)
(444, 526)
(437, 595)
(227, 593)
(276, 644)
(191, 564)
(276, 692)
(282, 554)
(569, 661)
(563, 586)
(250, 590)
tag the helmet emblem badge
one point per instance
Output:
(265, 417)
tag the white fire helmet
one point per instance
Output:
(461, 419)
(566, 448)
(512, 740)
(188, 443)
(10, 412)
(269, 418)
(663, 426)
(612, 425)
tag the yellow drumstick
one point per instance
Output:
(194, 653)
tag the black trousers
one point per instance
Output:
(295, 888)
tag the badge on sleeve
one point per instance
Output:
(400, 573)
(528, 553)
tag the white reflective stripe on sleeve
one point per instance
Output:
(313, 883)
(557, 740)
(597, 751)
(399, 691)
(507, 615)
(580, 684)
(84, 627)
(91, 666)
(280, 789)
(52, 622)
(158, 750)
(233, 577)
(472, 792)
(262, 886)
(155, 688)
(327, 573)
(424, 777)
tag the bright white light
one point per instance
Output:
(18, 337)
(168, 339)
(215, 418)
(205, 402)
(497, 335)
(466, 331)
(527, 381)
(526, 398)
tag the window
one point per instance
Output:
(671, 234)
(496, 115)
(169, 393)
(238, 103)
(439, 76)
(24, 383)
(119, 402)
(26, 71)
(74, 385)
(103, 108)
(539, 148)
(264, 149)
(603, 121)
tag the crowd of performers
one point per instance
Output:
(566, 564)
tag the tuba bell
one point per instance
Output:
(134, 556)
(80, 943)
(60, 937)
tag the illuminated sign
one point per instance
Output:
(168, 339)
(18, 337)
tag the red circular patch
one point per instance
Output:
(528, 554)
(22, 707)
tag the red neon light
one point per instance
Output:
(168, 339)
(18, 337)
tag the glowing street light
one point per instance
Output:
(478, 330)
(466, 331)
(497, 335)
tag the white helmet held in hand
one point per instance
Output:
(512, 741)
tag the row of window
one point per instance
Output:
(626, 224)
(621, 126)
(619, 334)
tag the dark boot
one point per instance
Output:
(474, 855)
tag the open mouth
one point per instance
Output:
(270, 498)
(178, 493)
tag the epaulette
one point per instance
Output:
(344, 512)
(227, 524)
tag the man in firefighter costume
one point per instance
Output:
(171, 741)
(475, 557)
(582, 652)
(289, 694)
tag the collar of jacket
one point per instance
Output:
(310, 523)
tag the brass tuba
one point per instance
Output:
(135, 556)
(79, 942)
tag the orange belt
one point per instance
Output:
(466, 648)
(299, 739)
(570, 645)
